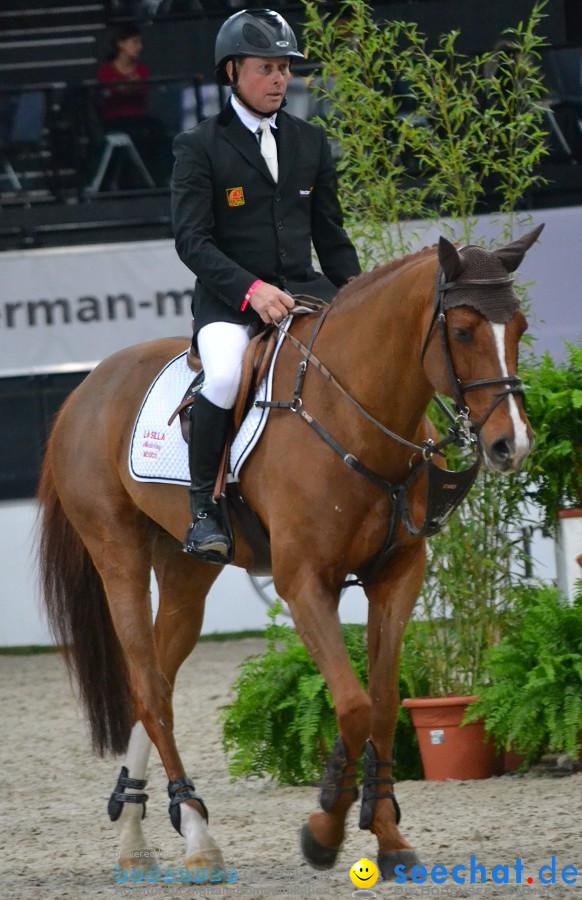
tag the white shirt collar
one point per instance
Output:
(248, 118)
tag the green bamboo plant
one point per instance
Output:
(421, 134)
(475, 571)
(430, 133)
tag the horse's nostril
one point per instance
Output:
(502, 450)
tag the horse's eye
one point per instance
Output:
(463, 335)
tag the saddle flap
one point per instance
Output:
(256, 362)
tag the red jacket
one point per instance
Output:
(127, 99)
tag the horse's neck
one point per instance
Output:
(376, 338)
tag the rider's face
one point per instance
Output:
(262, 82)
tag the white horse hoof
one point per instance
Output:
(140, 859)
(210, 860)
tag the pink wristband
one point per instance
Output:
(249, 294)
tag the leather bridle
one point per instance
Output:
(511, 384)
(445, 488)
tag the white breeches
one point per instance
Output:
(221, 346)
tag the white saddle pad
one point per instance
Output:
(158, 452)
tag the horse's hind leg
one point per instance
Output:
(126, 805)
(123, 557)
(391, 600)
(184, 583)
(121, 551)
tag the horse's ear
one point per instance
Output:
(449, 259)
(512, 255)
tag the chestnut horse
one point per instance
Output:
(443, 320)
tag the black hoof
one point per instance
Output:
(405, 859)
(315, 854)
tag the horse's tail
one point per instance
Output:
(80, 622)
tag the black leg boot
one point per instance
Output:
(207, 537)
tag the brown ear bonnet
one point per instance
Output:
(496, 302)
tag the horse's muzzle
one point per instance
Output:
(504, 454)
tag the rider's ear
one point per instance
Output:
(512, 255)
(449, 259)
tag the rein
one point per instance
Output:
(445, 489)
(427, 449)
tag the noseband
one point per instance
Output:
(511, 384)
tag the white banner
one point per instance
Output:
(71, 307)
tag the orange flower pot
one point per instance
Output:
(448, 750)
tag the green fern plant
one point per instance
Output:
(281, 721)
(531, 696)
(554, 408)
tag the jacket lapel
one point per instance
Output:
(287, 144)
(243, 140)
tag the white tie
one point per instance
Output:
(269, 148)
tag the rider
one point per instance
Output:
(244, 225)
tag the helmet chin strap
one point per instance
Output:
(257, 112)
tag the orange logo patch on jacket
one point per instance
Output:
(235, 196)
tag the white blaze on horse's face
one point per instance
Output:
(508, 453)
(521, 439)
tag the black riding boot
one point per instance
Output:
(207, 537)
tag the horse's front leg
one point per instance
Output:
(314, 610)
(391, 600)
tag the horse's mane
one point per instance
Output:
(367, 278)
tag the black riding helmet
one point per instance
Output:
(253, 32)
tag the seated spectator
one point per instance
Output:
(123, 107)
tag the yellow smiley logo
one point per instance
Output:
(364, 873)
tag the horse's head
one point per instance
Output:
(470, 351)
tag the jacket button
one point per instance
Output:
(279, 225)
(277, 197)
(283, 253)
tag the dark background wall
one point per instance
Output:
(184, 47)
